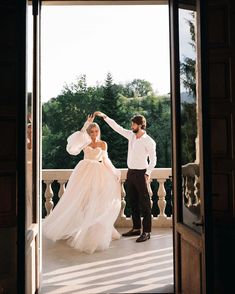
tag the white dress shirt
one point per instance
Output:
(139, 149)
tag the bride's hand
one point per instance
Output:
(99, 113)
(90, 118)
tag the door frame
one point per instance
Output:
(175, 90)
(32, 226)
(175, 116)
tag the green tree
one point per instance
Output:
(139, 88)
(188, 132)
(189, 109)
(62, 116)
(117, 145)
(187, 67)
(158, 115)
(67, 112)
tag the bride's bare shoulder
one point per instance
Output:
(103, 145)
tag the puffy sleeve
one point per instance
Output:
(108, 163)
(78, 140)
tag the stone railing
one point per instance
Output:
(161, 175)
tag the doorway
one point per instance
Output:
(161, 195)
(122, 49)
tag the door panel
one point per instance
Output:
(191, 279)
(12, 159)
(221, 97)
(190, 233)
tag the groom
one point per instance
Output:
(141, 160)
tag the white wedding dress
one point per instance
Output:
(86, 212)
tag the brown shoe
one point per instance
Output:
(133, 232)
(143, 237)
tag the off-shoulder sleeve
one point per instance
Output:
(78, 140)
(108, 163)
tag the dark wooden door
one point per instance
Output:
(12, 152)
(191, 210)
(220, 41)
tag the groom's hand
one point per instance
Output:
(100, 114)
(146, 178)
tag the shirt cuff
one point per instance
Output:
(148, 172)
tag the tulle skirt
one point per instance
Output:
(86, 213)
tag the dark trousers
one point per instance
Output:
(139, 199)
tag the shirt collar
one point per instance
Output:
(143, 136)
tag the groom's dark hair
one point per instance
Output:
(139, 120)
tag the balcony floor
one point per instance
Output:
(126, 267)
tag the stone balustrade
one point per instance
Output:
(156, 188)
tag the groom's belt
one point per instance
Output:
(137, 170)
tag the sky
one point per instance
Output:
(131, 42)
(184, 34)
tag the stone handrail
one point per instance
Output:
(159, 174)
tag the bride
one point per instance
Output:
(86, 212)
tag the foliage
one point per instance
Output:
(67, 113)
(187, 67)
(188, 108)
(188, 132)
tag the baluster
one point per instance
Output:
(123, 202)
(196, 191)
(188, 191)
(162, 195)
(62, 187)
(49, 204)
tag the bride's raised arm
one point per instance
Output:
(89, 120)
(78, 140)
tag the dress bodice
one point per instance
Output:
(93, 153)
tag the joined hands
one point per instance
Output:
(91, 117)
(100, 114)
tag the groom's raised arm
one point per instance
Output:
(116, 127)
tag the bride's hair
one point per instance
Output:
(91, 126)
